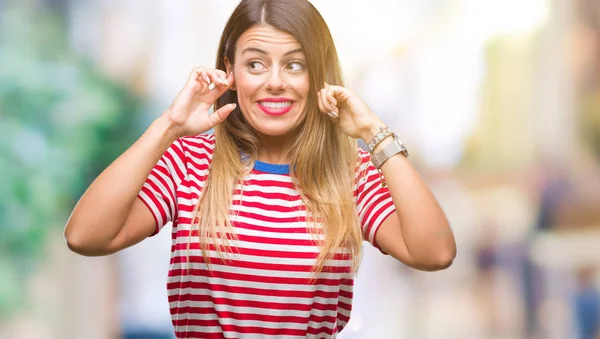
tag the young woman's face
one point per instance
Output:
(271, 80)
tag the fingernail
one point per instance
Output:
(205, 78)
(333, 114)
(223, 81)
(211, 86)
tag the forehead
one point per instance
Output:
(266, 37)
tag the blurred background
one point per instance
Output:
(498, 101)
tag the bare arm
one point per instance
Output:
(109, 217)
(418, 234)
(99, 223)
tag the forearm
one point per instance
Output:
(105, 205)
(424, 227)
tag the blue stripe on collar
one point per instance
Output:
(271, 168)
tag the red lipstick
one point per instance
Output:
(275, 106)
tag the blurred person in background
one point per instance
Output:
(553, 189)
(586, 305)
(269, 213)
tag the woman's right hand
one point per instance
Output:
(188, 114)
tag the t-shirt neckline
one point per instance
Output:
(271, 168)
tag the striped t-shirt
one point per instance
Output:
(266, 288)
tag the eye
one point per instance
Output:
(295, 66)
(255, 65)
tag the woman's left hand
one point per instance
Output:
(349, 112)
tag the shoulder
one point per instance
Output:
(362, 154)
(188, 150)
(363, 159)
(365, 171)
(197, 144)
(200, 140)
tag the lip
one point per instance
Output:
(276, 111)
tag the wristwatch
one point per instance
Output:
(389, 150)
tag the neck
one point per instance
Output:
(275, 149)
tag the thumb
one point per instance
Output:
(221, 114)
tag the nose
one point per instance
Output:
(275, 82)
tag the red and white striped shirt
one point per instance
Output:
(265, 288)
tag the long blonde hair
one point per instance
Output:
(323, 157)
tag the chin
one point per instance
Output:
(277, 128)
(274, 132)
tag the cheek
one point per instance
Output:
(302, 86)
(305, 90)
(246, 85)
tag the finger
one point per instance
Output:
(228, 80)
(325, 99)
(224, 82)
(214, 79)
(217, 78)
(231, 80)
(330, 97)
(197, 80)
(339, 93)
(223, 77)
(320, 102)
(324, 106)
(221, 114)
(200, 73)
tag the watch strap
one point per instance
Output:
(388, 151)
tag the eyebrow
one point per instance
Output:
(258, 50)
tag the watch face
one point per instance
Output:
(389, 151)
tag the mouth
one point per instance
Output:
(273, 107)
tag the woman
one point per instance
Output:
(282, 196)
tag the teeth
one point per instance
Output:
(276, 105)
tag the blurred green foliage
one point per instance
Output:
(61, 123)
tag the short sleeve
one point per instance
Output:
(373, 201)
(159, 192)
